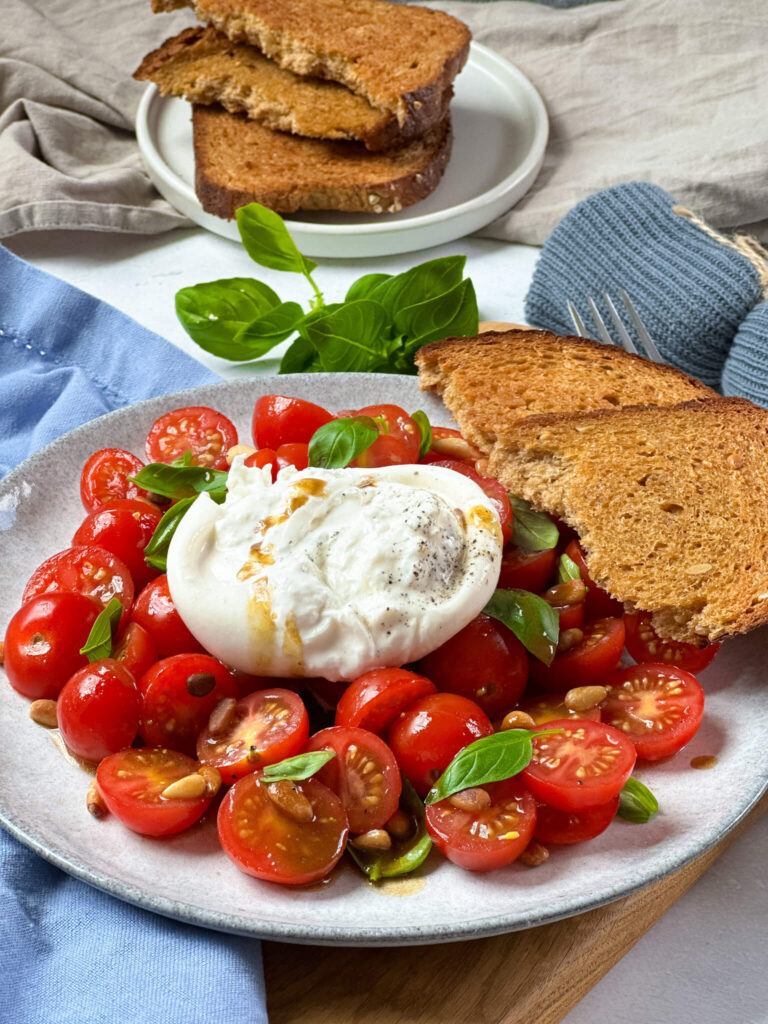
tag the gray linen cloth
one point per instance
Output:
(669, 92)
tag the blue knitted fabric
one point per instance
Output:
(692, 292)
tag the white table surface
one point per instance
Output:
(706, 961)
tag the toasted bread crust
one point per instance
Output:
(237, 161)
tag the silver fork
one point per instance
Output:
(649, 349)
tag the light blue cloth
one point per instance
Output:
(68, 953)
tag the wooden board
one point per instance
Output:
(554, 966)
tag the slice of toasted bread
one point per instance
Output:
(670, 504)
(491, 381)
(204, 66)
(401, 58)
(237, 161)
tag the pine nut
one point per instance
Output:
(238, 449)
(188, 788)
(43, 712)
(517, 720)
(399, 825)
(456, 448)
(2, 651)
(212, 778)
(474, 799)
(94, 801)
(222, 716)
(200, 684)
(376, 839)
(291, 801)
(584, 698)
(569, 592)
(534, 854)
(568, 639)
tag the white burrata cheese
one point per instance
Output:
(332, 572)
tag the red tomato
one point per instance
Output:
(488, 839)
(206, 434)
(263, 728)
(124, 527)
(178, 695)
(296, 455)
(280, 420)
(644, 644)
(587, 664)
(584, 765)
(136, 650)
(43, 641)
(374, 700)
(155, 612)
(449, 444)
(427, 736)
(399, 439)
(494, 490)
(364, 774)
(546, 709)
(98, 710)
(261, 458)
(266, 842)
(657, 707)
(88, 570)
(105, 478)
(526, 570)
(132, 781)
(599, 604)
(485, 662)
(561, 828)
(571, 616)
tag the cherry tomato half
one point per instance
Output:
(487, 839)
(493, 489)
(599, 604)
(526, 570)
(132, 781)
(296, 455)
(588, 663)
(399, 438)
(374, 700)
(644, 644)
(562, 828)
(657, 707)
(279, 420)
(105, 478)
(584, 764)
(124, 527)
(155, 612)
(87, 570)
(205, 433)
(98, 710)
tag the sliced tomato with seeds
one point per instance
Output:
(495, 491)
(599, 604)
(374, 700)
(205, 433)
(106, 477)
(562, 828)
(657, 707)
(552, 706)
(588, 663)
(580, 764)
(131, 783)
(265, 841)
(155, 612)
(526, 570)
(88, 570)
(364, 773)
(645, 645)
(262, 728)
(488, 839)
(124, 527)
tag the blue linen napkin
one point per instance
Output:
(68, 953)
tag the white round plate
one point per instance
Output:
(42, 795)
(500, 132)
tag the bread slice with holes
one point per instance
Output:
(492, 381)
(401, 58)
(670, 504)
(204, 66)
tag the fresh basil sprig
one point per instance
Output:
(99, 642)
(156, 551)
(298, 768)
(404, 857)
(637, 803)
(531, 530)
(535, 623)
(490, 759)
(339, 442)
(425, 430)
(181, 480)
(567, 569)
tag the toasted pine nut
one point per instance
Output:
(584, 698)
(200, 684)
(399, 825)
(238, 449)
(2, 651)
(473, 799)
(43, 712)
(94, 801)
(517, 720)
(569, 638)
(188, 788)
(456, 448)
(289, 798)
(569, 592)
(212, 777)
(534, 854)
(376, 839)
(222, 715)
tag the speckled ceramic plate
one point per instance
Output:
(188, 877)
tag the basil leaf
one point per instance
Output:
(405, 856)
(453, 314)
(351, 337)
(213, 313)
(567, 569)
(156, 552)
(535, 623)
(260, 336)
(531, 530)
(268, 242)
(489, 759)
(637, 803)
(363, 286)
(425, 429)
(301, 357)
(336, 444)
(99, 642)
(182, 481)
(419, 283)
(298, 768)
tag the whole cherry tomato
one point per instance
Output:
(155, 612)
(279, 420)
(124, 527)
(98, 710)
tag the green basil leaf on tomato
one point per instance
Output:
(268, 241)
(405, 855)
(425, 430)
(535, 623)
(531, 530)
(99, 642)
(182, 481)
(636, 802)
(336, 444)
(156, 552)
(298, 768)
(567, 569)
